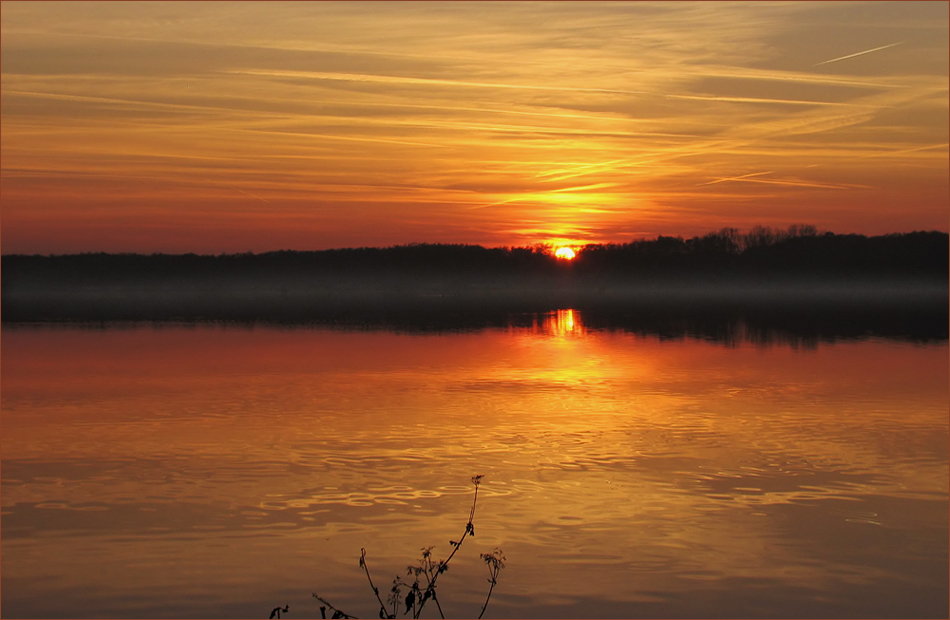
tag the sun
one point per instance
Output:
(565, 253)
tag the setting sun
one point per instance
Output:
(565, 253)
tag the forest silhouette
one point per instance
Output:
(791, 273)
(798, 250)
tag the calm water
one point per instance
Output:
(211, 471)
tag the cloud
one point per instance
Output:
(599, 115)
(393, 79)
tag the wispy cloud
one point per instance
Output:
(755, 177)
(768, 100)
(393, 79)
(585, 116)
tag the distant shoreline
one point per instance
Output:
(721, 271)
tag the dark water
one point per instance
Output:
(691, 469)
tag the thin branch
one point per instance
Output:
(469, 528)
(471, 516)
(495, 561)
(337, 613)
(487, 598)
(365, 568)
(437, 606)
(417, 597)
(444, 564)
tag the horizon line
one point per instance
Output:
(533, 247)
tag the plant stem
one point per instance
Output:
(370, 579)
(437, 605)
(469, 528)
(487, 598)
(342, 613)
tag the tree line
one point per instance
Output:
(797, 250)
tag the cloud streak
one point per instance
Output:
(588, 116)
(393, 79)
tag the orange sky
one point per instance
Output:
(228, 127)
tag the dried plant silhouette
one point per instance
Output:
(421, 589)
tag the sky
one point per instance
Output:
(215, 127)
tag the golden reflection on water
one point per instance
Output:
(625, 475)
(562, 324)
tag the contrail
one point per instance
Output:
(876, 49)
(253, 195)
(739, 178)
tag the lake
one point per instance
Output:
(222, 470)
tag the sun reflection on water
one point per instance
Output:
(565, 323)
(618, 465)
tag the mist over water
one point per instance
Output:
(723, 468)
